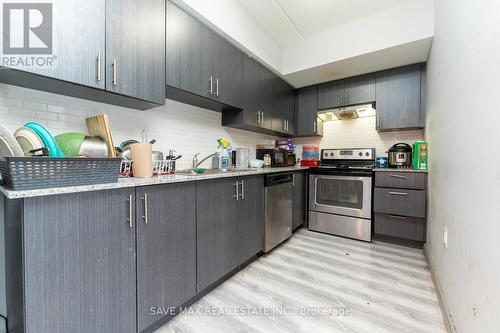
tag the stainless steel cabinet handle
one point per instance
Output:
(262, 117)
(115, 79)
(242, 189)
(258, 117)
(398, 176)
(314, 126)
(211, 81)
(237, 185)
(398, 193)
(284, 125)
(378, 120)
(293, 180)
(217, 87)
(130, 221)
(98, 64)
(145, 216)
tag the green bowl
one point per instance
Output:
(70, 143)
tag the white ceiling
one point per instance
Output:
(289, 21)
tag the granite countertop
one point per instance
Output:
(399, 170)
(134, 182)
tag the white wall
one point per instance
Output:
(358, 133)
(182, 127)
(463, 119)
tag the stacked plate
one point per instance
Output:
(28, 141)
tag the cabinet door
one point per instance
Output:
(80, 263)
(398, 98)
(331, 94)
(78, 37)
(251, 84)
(184, 52)
(278, 111)
(250, 218)
(135, 48)
(229, 74)
(299, 199)
(360, 89)
(290, 110)
(307, 108)
(267, 87)
(166, 248)
(216, 229)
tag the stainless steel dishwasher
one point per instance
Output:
(278, 220)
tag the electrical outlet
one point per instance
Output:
(445, 237)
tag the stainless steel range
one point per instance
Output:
(340, 193)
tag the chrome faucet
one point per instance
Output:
(196, 164)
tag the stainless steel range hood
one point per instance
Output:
(348, 113)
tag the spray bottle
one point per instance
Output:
(225, 160)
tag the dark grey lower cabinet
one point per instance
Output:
(166, 248)
(230, 213)
(299, 199)
(79, 264)
(217, 230)
(399, 204)
(250, 218)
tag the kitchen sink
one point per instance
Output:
(190, 172)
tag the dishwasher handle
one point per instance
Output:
(278, 179)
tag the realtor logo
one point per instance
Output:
(27, 28)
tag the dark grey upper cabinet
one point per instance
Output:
(79, 29)
(251, 96)
(360, 89)
(267, 89)
(331, 94)
(283, 112)
(166, 248)
(217, 230)
(351, 91)
(200, 62)
(79, 263)
(184, 52)
(229, 74)
(250, 217)
(399, 98)
(299, 199)
(307, 122)
(135, 48)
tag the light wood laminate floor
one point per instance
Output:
(321, 283)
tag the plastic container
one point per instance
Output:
(382, 162)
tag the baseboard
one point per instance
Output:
(445, 309)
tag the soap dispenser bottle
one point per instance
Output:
(225, 159)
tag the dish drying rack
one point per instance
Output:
(160, 168)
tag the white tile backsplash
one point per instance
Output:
(182, 127)
(358, 133)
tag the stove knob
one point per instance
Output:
(360, 154)
(367, 154)
(326, 154)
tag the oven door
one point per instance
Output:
(342, 195)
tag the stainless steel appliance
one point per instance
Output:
(400, 156)
(340, 193)
(278, 207)
(279, 157)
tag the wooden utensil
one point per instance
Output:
(99, 126)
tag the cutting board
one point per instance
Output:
(99, 126)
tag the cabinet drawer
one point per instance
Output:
(399, 226)
(413, 180)
(400, 202)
